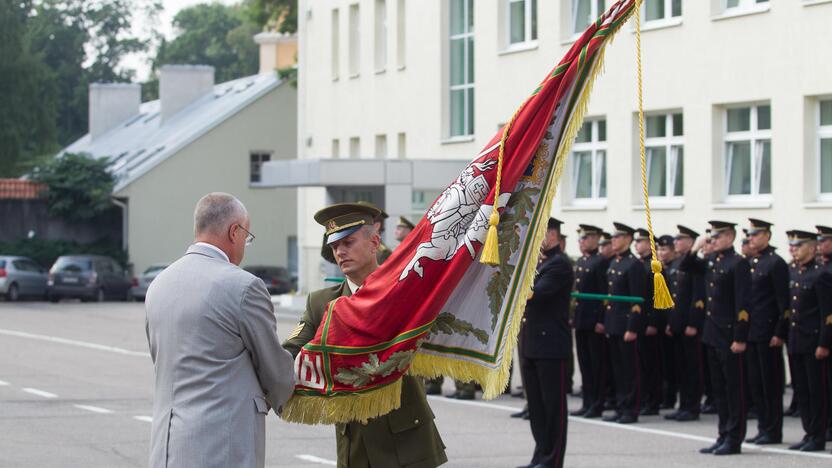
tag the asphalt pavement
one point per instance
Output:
(76, 389)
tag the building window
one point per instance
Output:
(381, 146)
(825, 148)
(255, 167)
(522, 19)
(589, 162)
(401, 34)
(743, 4)
(336, 148)
(336, 44)
(584, 12)
(355, 40)
(665, 154)
(748, 150)
(462, 68)
(381, 35)
(355, 147)
(402, 145)
(658, 10)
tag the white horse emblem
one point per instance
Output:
(458, 218)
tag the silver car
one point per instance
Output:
(21, 277)
(140, 284)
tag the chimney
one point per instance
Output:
(111, 104)
(277, 51)
(181, 85)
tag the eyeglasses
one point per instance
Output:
(249, 237)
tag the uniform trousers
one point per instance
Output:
(810, 384)
(593, 362)
(545, 381)
(687, 351)
(767, 379)
(626, 368)
(728, 384)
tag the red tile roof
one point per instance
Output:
(17, 189)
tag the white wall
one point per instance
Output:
(698, 65)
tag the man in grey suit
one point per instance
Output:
(218, 361)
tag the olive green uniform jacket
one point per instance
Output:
(406, 437)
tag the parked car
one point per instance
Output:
(87, 277)
(277, 279)
(21, 277)
(140, 284)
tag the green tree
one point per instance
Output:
(80, 186)
(280, 15)
(27, 94)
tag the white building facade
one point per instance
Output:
(738, 99)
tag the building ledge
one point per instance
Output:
(660, 24)
(457, 139)
(519, 47)
(756, 9)
(816, 2)
(743, 205)
(600, 205)
(820, 204)
(657, 205)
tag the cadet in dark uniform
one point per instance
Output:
(727, 285)
(809, 321)
(545, 346)
(591, 277)
(623, 323)
(825, 245)
(764, 356)
(648, 343)
(406, 437)
(669, 373)
(684, 323)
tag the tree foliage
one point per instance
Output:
(279, 15)
(80, 187)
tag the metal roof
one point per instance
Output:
(143, 141)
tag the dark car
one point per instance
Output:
(21, 277)
(142, 282)
(277, 279)
(89, 278)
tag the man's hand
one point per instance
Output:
(667, 331)
(651, 331)
(599, 328)
(629, 336)
(691, 331)
(698, 245)
(821, 353)
(776, 342)
(737, 347)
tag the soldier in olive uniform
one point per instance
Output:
(593, 357)
(684, 325)
(764, 356)
(623, 323)
(405, 437)
(809, 323)
(727, 285)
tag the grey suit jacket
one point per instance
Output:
(218, 361)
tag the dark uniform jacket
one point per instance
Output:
(625, 277)
(728, 289)
(686, 281)
(809, 317)
(545, 331)
(769, 294)
(406, 437)
(590, 277)
(651, 317)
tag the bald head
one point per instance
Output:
(216, 212)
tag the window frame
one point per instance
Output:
(354, 35)
(745, 7)
(335, 43)
(754, 136)
(595, 147)
(380, 27)
(668, 19)
(468, 82)
(668, 142)
(529, 17)
(262, 157)
(593, 13)
(822, 132)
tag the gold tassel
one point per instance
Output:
(661, 295)
(491, 250)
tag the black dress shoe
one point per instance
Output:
(521, 414)
(800, 444)
(766, 439)
(627, 419)
(611, 418)
(712, 448)
(684, 416)
(708, 408)
(453, 395)
(465, 396)
(668, 405)
(728, 449)
(813, 446)
(672, 416)
(579, 412)
(593, 414)
(649, 412)
(752, 440)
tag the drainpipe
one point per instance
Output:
(123, 206)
